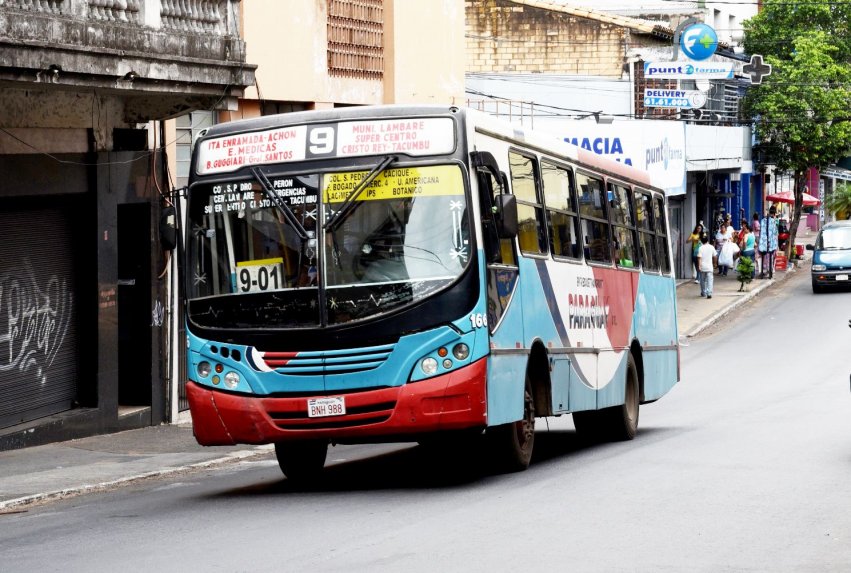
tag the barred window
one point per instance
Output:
(356, 38)
(188, 127)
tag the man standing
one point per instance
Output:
(768, 243)
(706, 265)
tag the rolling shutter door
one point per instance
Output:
(38, 311)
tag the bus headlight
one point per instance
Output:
(204, 369)
(461, 351)
(819, 267)
(429, 366)
(231, 380)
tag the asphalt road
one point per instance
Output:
(744, 466)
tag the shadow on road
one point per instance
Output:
(425, 467)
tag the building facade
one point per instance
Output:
(570, 62)
(322, 54)
(83, 304)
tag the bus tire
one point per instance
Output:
(619, 422)
(624, 418)
(511, 444)
(302, 461)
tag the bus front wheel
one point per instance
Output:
(301, 461)
(511, 444)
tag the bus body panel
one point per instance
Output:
(450, 402)
(655, 326)
(264, 373)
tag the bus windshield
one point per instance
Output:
(262, 255)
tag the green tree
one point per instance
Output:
(801, 111)
(839, 202)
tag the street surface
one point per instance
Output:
(744, 466)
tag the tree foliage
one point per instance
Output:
(802, 111)
(840, 201)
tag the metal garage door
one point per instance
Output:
(38, 310)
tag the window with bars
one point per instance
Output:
(188, 127)
(356, 38)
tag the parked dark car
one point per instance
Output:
(832, 257)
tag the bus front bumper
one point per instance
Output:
(453, 401)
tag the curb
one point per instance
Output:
(20, 502)
(750, 294)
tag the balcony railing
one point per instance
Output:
(193, 16)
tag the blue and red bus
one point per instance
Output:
(418, 273)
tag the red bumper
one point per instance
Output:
(450, 402)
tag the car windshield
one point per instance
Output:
(251, 266)
(834, 239)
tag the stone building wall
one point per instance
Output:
(506, 37)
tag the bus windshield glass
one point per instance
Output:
(261, 254)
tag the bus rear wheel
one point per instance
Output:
(302, 461)
(512, 444)
(619, 422)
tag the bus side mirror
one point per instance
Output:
(810, 248)
(168, 228)
(506, 216)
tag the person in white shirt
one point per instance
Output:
(706, 257)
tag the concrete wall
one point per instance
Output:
(423, 52)
(505, 37)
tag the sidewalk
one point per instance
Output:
(695, 313)
(65, 469)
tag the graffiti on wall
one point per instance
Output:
(35, 314)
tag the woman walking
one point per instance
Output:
(694, 240)
(747, 240)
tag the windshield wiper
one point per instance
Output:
(288, 214)
(349, 204)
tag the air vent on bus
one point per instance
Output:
(328, 361)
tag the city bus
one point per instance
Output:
(419, 274)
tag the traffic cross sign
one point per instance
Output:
(757, 69)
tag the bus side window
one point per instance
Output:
(646, 235)
(624, 226)
(497, 251)
(530, 212)
(661, 223)
(594, 222)
(560, 203)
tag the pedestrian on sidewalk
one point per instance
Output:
(706, 258)
(746, 243)
(768, 243)
(755, 228)
(723, 244)
(694, 241)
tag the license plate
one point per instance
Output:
(322, 407)
(842, 277)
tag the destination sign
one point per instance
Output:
(394, 183)
(247, 195)
(688, 99)
(416, 136)
(682, 70)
